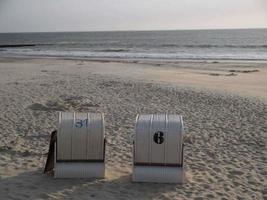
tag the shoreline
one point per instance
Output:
(136, 60)
(237, 78)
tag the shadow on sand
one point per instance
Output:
(35, 185)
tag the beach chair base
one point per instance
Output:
(155, 174)
(79, 170)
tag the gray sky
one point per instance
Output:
(101, 15)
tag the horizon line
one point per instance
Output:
(203, 29)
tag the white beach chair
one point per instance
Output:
(79, 147)
(158, 149)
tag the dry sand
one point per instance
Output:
(225, 142)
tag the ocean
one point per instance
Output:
(243, 44)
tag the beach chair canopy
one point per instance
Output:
(80, 137)
(158, 140)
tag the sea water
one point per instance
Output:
(243, 44)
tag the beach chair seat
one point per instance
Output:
(158, 149)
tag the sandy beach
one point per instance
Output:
(224, 106)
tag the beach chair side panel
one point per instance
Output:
(175, 140)
(64, 136)
(95, 139)
(142, 139)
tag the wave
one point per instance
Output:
(216, 46)
(137, 55)
(113, 50)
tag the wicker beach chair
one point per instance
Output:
(77, 148)
(158, 149)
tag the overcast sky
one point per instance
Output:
(101, 15)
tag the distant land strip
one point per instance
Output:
(17, 45)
